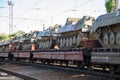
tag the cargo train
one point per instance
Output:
(88, 43)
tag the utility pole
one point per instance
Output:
(117, 4)
(10, 3)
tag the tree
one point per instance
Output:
(3, 36)
(17, 34)
(20, 33)
(110, 5)
(12, 35)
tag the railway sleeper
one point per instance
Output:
(115, 69)
(60, 62)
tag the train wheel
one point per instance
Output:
(105, 39)
(66, 62)
(60, 63)
(78, 63)
(112, 70)
(118, 38)
(112, 38)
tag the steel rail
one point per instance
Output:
(24, 77)
(96, 72)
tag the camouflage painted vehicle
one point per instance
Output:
(74, 32)
(44, 40)
(4, 46)
(107, 29)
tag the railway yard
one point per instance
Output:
(85, 48)
(45, 73)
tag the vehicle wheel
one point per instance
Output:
(112, 38)
(64, 43)
(74, 40)
(78, 40)
(105, 39)
(61, 42)
(118, 38)
(70, 41)
(48, 44)
(43, 45)
(67, 42)
(98, 32)
(40, 45)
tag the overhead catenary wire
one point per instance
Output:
(22, 18)
(83, 4)
(35, 4)
(51, 3)
(75, 8)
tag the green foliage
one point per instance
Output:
(110, 5)
(3, 36)
(19, 33)
(12, 35)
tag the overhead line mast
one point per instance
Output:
(117, 4)
(10, 3)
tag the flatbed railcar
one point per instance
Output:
(104, 58)
(49, 56)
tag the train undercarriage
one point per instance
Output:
(105, 59)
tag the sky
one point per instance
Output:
(30, 15)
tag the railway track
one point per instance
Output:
(22, 76)
(104, 74)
